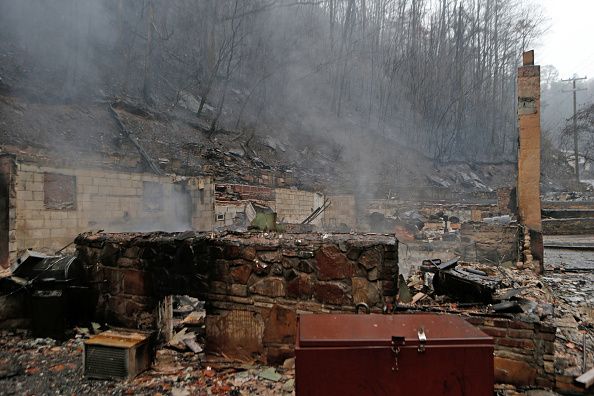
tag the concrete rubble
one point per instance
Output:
(539, 335)
(43, 366)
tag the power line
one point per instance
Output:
(576, 154)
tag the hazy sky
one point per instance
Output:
(568, 45)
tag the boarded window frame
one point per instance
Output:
(59, 191)
(152, 196)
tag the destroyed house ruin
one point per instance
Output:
(181, 221)
(45, 208)
(65, 171)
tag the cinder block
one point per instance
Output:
(26, 176)
(34, 186)
(58, 215)
(33, 205)
(89, 189)
(39, 233)
(58, 232)
(69, 223)
(24, 195)
(115, 182)
(129, 191)
(84, 180)
(34, 223)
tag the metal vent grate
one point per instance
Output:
(106, 362)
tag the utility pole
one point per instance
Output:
(576, 153)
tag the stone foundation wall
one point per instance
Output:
(254, 285)
(524, 351)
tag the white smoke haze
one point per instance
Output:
(433, 79)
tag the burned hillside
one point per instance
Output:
(215, 108)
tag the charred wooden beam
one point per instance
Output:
(465, 286)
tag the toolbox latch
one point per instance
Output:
(397, 342)
(422, 339)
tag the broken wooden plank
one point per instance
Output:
(193, 345)
(586, 379)
(418, 297)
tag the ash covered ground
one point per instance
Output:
(42, 366)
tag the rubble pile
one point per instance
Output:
(256, 283)
(242, 157)
(512, 306)
(481, 288)
(542, 325)
(43, 366)
(186, 324)
(569, 274)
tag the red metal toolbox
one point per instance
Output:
(401, 354)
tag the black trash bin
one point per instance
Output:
(48, 314)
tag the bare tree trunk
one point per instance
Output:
(147, 86)
(215, 120)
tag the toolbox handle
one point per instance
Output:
(422, 339)
(364, 306)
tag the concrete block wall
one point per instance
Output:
(293, 206)
(228, 211)
(113, 201)
(201, 190)
(254, 284)
(342, 211)
(7, 210)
